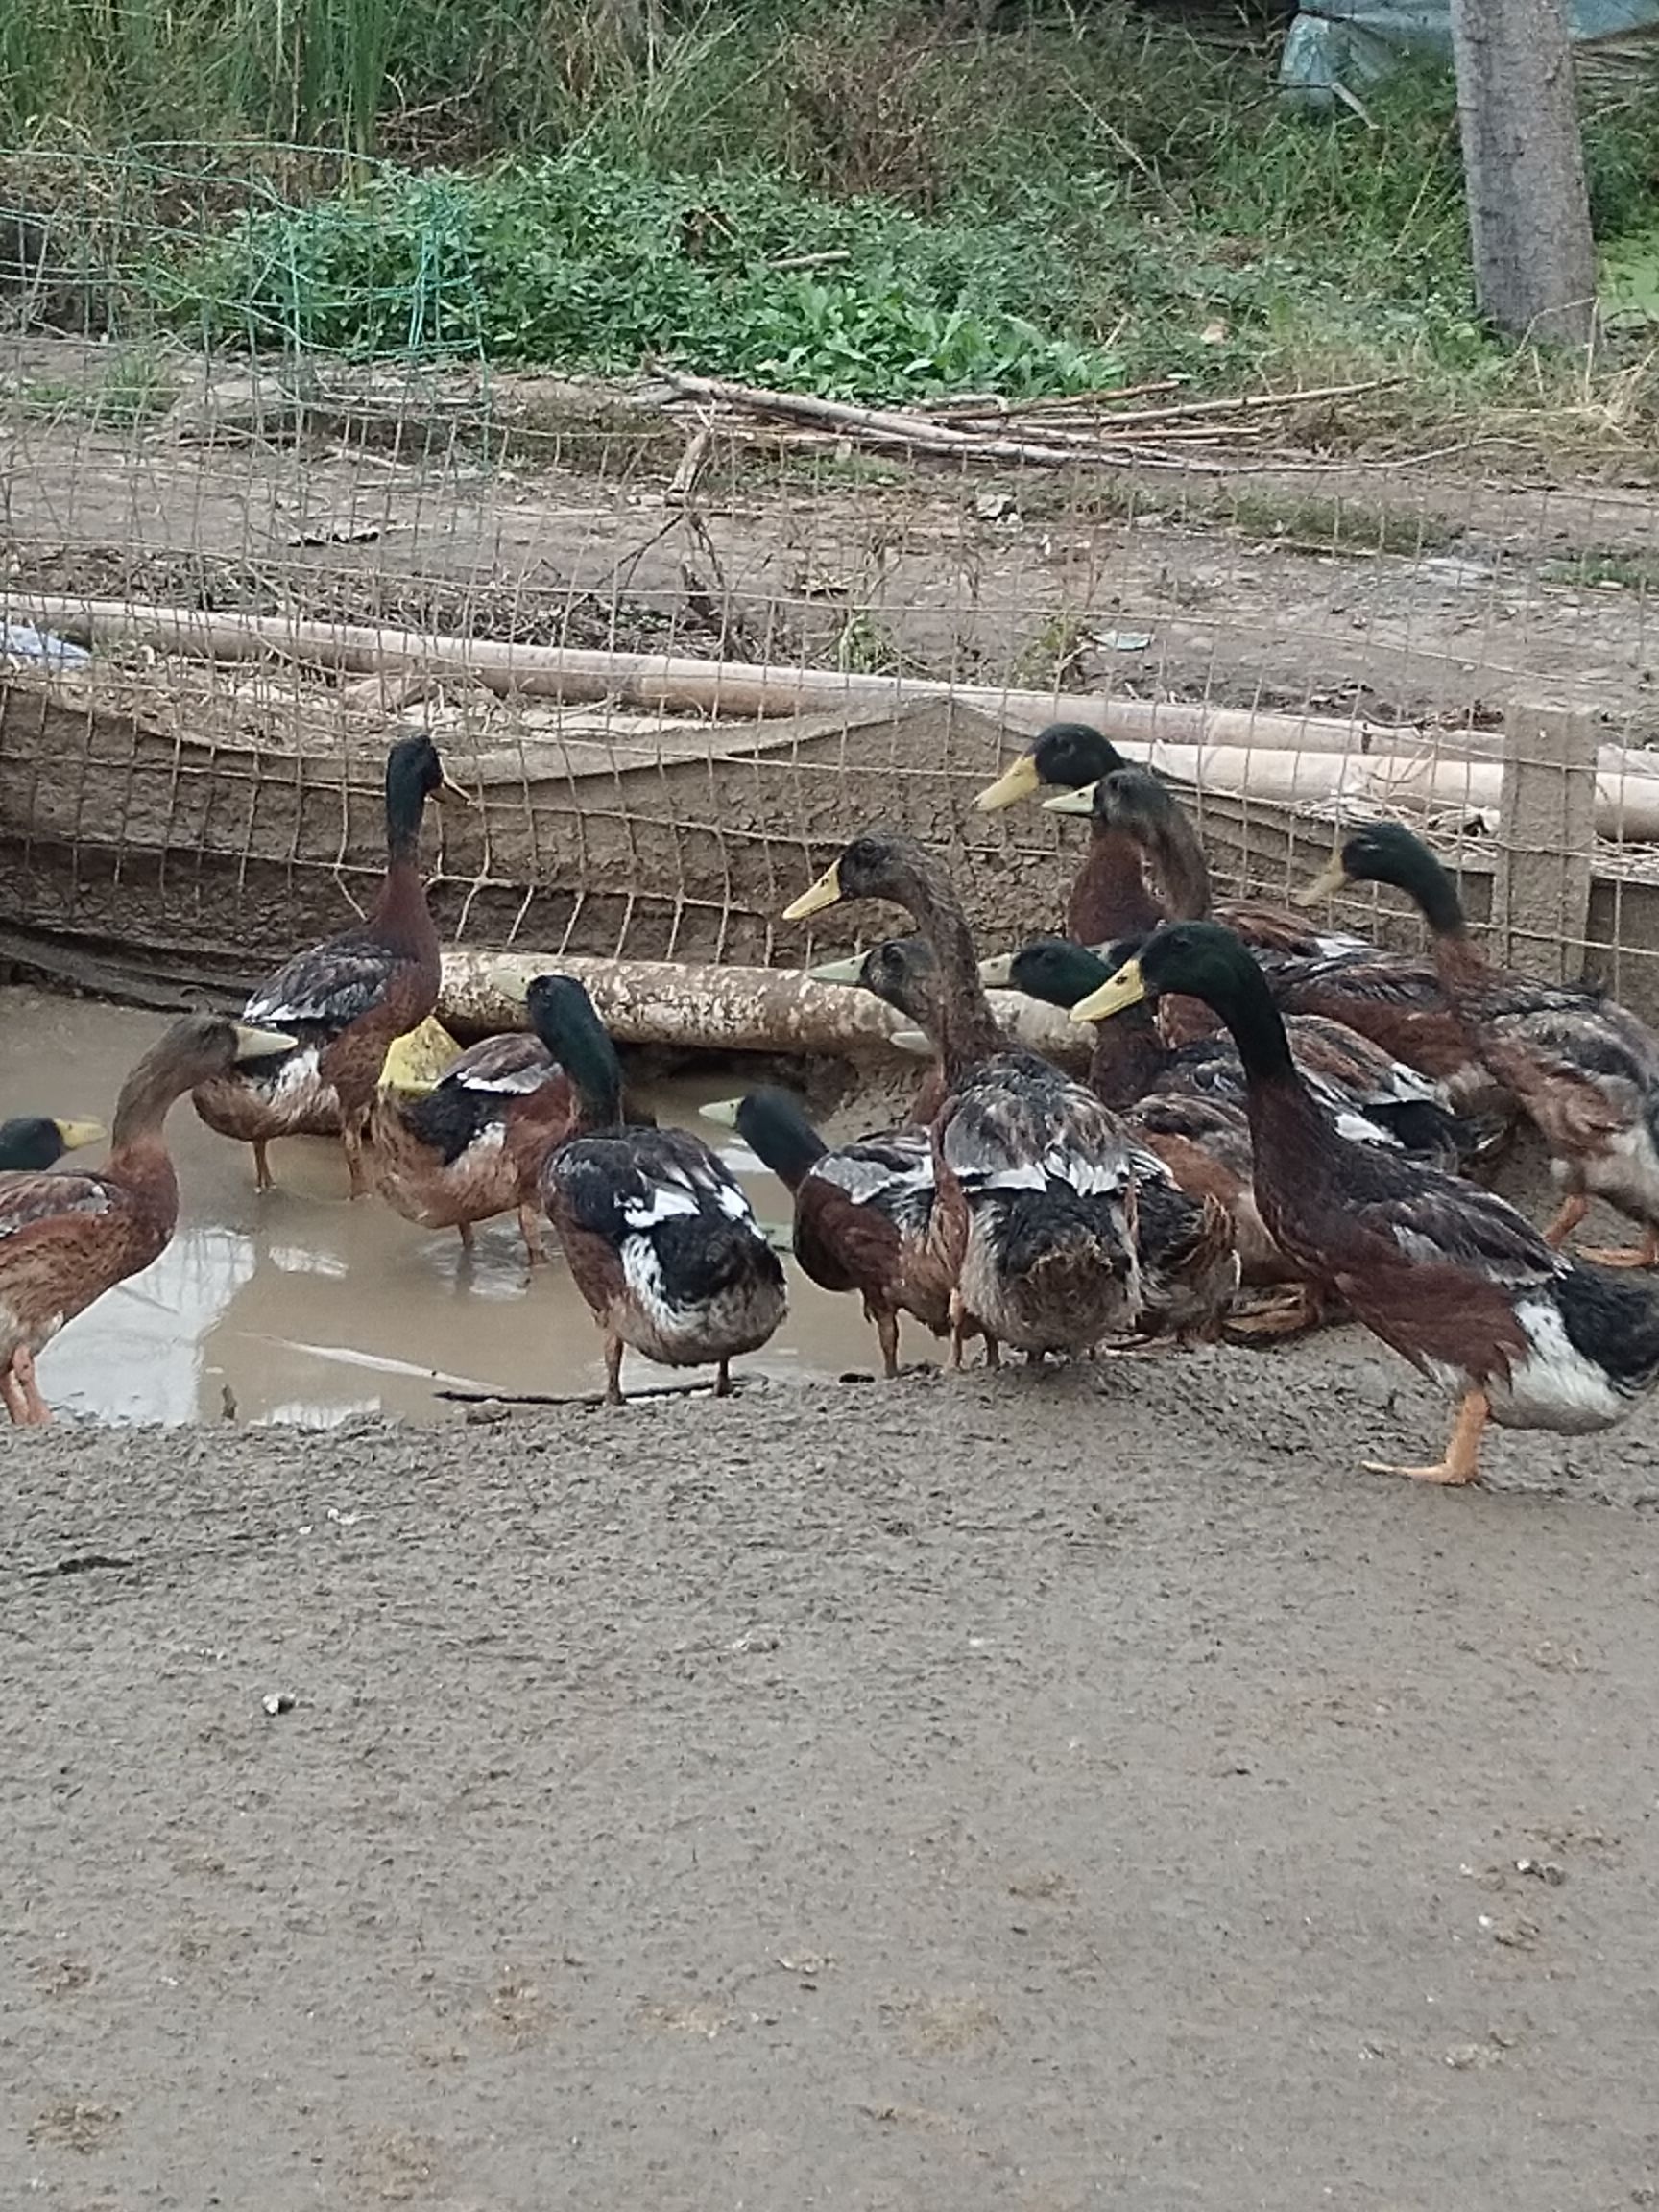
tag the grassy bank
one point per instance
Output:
(1041, 206)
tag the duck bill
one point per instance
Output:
(914, 1041)
(826, 892)
(262, 1043)
(837, 972)
(1330, 879)
(1071, 802)
(76, 1135)
(998, 975)
(722, 1112)
(1020, 780)
(1127, 988)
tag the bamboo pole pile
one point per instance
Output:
(1084, 429)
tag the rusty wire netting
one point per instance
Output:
(199, 792)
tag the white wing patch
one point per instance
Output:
(1360, 1129)
(663, 1202)
(517, 1083)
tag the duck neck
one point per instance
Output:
(967, 1028)
(401, 912)
(1128, 1056)
(1283, 1112)
(1458, 960)
(1109, 897)
(138, 1135)
(782, 1135)
(589, 1058)
(1182, 871)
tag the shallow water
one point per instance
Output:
(300, 1306)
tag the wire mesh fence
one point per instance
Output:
(681, 645)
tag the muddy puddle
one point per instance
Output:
(301, 1307)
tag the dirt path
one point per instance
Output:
(1438, 590)
(1047, 1795)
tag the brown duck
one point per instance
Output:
(67, 1236)
(343, 1002)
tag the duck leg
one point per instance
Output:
(887, 1336)
(529, 1228)
(466, 1231)
(352, 1137)
(13, 1399)
(263, 1179)
(1568, 1215)
(1283, 1313)
(1642, 1255)
(723, 1381)
(36, 1413)
(614, 1371)
(1462, 1463)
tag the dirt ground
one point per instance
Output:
(1008, 1792)
(532, 508)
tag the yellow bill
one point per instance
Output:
(1018, 781)
(1071, 802)
(414, 1061)
(1127, 988)
(261, 1044)
(1330, 879)
(995, 974)
(826, 892)
(914, 1041)
(77, 1134)
(722, 1112)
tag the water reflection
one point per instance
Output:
(305, 1308)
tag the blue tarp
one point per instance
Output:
(1343, 45)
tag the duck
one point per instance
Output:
(1035, 1200)
(69, 1234)
(1376, 1100)
(1188, 1268)
(457, 1137)
(658, 1236)
(1448, 1274)
(1584, 1069)
(1109, 897)
(1140, 810)
(344, 1000)
(1396, 1002)
(30, 1142)
(863, 1211)
(902, 973)
(1185, 1107)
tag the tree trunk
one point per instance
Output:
(1524, 169)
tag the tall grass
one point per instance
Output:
(1116, 187)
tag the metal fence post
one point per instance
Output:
(1545, 839)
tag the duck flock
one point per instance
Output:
(1279, 1127)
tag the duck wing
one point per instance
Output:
(28, 1200)
(330, 985)
(510, 1066)
(1018, 1125)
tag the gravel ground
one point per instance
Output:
(1032, 1793)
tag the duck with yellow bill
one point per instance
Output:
(456, 1137)
(344, 1000)
(1449, 1275)
(1036, 1204)
(1585, 1069)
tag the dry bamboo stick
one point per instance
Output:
(711, 1009)
(677, 683)
(882, 426)
(1627, 801)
